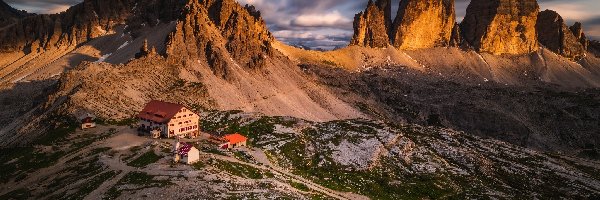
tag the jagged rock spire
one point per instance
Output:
(423, 24)
(386, 6)
(370, 26)
(577, 30)
(501, 26)
(554, 34)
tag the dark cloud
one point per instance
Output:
(42, 6)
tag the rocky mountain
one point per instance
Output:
(501, 26)
(209, 28)
(423, 24)
(577, 30)
(9, 15)
(371, 27)
(554, 34)
(77, 25)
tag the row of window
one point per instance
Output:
(179, 117)
(180, 123)
(189, 128)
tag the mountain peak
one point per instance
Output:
(554, 34)
(9, 15)
(213, 29)
(371, 27)
(423, 24)
(502, 26)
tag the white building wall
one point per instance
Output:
(192, 157)
(184, 123)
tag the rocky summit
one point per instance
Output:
(502, 26)
(577, 30)
(371, 27)
(423, 24)
(209, 28)
(9, 15)
(554, 34)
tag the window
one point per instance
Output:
(179, 117)
(172, 125)
(180, 123)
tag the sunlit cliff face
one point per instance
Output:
(327, 24)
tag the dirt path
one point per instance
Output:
(260, 156)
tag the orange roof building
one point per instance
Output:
(234, 140)
(170, 119)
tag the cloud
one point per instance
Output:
(43, 6)
(333, 19)
(325, 22)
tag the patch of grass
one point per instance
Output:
(237, 169)
(77, 171)
(145, 159)
(213, 151)
(242, 156)
(25, 160)
(122, 122)
(593, 154)
(299, 186)
(90, 186)
(17, 194)
(199, 165)
(100, 150)
(137, 181)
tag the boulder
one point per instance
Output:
(554, 34)
(501, 26)
(371, 27)
(423, 24)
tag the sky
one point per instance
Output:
(327, 24)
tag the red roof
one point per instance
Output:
(159, 111)
(235, 138)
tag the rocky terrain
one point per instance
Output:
(290, 158)
(503, 105)
(383, 161)
(538, 116)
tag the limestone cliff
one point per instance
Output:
(554, 34)
(87, 20)
(577, 30)
(219, 31)
(81, 23)
(9, 15)
(501, 26)
(423, 24)
(456, 39)
(371, 27)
